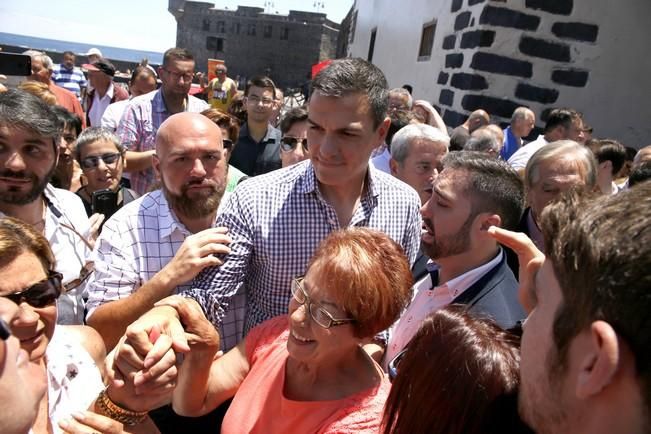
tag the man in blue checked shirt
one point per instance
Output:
(277, 220)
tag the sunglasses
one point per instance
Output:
(92, 162)
(5, 331)
(393, 364)
(41, 294)
(228, 144)
(288, 143)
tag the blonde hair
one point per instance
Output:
(39, 90)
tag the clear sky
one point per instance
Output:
(135, 24)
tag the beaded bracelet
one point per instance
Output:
(115, 412)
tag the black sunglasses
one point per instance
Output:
(40, 294)
(93, 161)
(289, 143)
(228, 144)
(5, 331)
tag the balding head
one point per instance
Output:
(477, 119)
(191, 165)
(642, 156)
(522, 122)
(185, 125)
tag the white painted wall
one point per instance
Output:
(615, 101)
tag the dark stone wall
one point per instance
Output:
(284, 47)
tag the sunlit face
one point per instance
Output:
(98, 79)
(22, 384)
(553, 178)
(575, 131)
(32, 326)
(420, 165)
(341, 137)
(298, 131)
(40, 72)
(309, 342)
(177, 77)
(259, 104)
(543, 399)
(104, 175)
(446, 217)
(27, 161)
(524, 125)
(68, 60)
(398, 102)
(193, 169)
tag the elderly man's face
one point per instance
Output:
(27, 161)
(40, 72)
(69, 61)
(553, 177)
(398, 102)
(524, 125)
(418, 168)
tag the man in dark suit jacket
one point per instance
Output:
(467, 266)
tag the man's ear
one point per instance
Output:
(155, 163)
(599, 360)
(393, 165)
(383, 129)
(487, 220)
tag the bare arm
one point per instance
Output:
(137, 161)
(205, 379)
(196, 253)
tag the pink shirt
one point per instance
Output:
(261, 407)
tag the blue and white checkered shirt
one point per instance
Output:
(276, 222)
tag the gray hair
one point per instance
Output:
(94, 134)
(521, 113)
(403, 92)
(563, 149)
(22, 110)
(484, 142)
(44, 58)
(354, 75)
(403, 138)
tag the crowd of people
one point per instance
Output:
(174, 263)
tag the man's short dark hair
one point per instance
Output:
(399, 120)
(639, 173)
(492, 184)
(22, 110)
(608, 150)
(260, 81)
(563, 117)
(354, 75)
(176, 54)
(612, 237)
(297, 114)
(66, 118)
(69, 52)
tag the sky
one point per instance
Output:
(134, 24)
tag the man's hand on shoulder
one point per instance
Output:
(197, 252)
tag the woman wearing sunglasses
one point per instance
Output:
(72, 357)
(293, 144)
(230, 127)
(101, 157)
(305, 372)
(459, 375)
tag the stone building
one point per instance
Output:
(499, 54)
(252, 42)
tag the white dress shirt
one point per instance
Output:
(99, 106)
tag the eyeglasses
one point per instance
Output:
(40, 294)
(228, 144)
(255, 100)
(318, 313)
(5, 331)
(393, 364)
(289, 143)
(187, 76)
(90, 163)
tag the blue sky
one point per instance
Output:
(135, 24)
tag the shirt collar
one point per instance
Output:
(455, 287)
(168, 222)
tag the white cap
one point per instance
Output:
(94, 51)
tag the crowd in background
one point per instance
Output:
(195, 258)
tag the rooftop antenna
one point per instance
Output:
(268, 6)
(319, 6)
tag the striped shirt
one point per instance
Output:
(70, 79)
(139, 124)
(276, 222)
